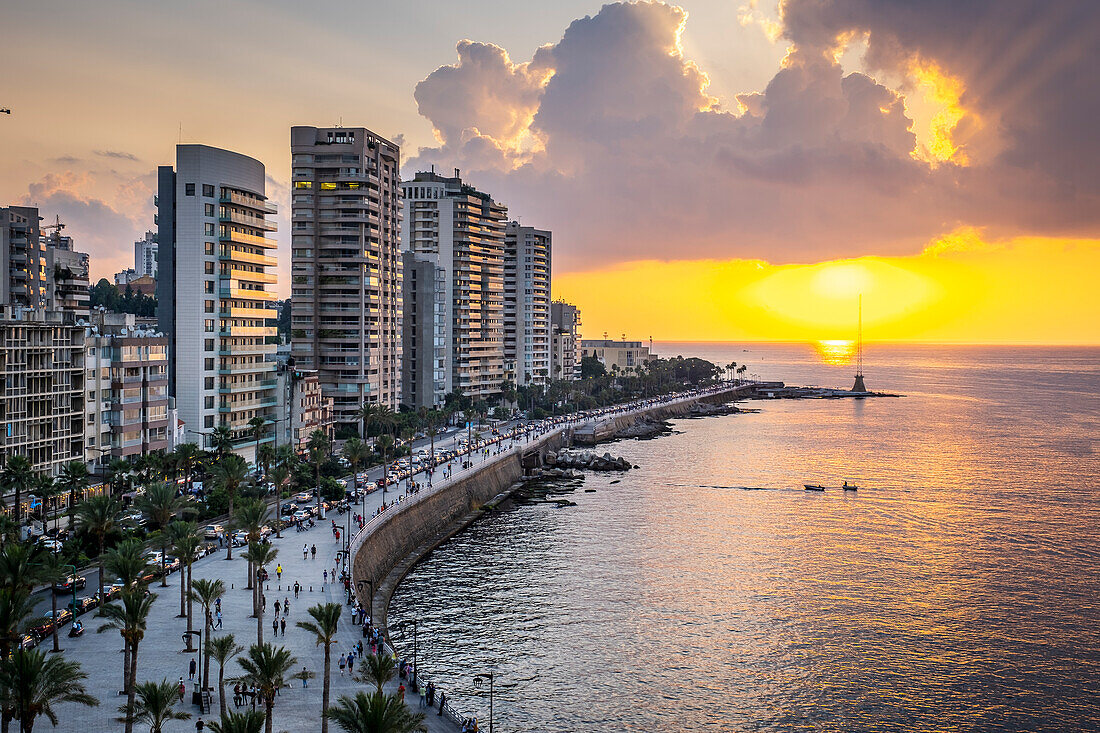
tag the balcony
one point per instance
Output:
(249, 221)
(240, 312)
(257, 277)
(245, 294)
(252, 239)
(236, 255)
(249, 331)
(256, 366)
(241, 350)
(240, 199)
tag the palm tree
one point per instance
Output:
(266, 668)
(231, 473)
(257, 424)
(250, 721)
(221, 441)
(265, 456)
(118, 475)
(259, 555)
(319, 447)
(252, 515)
(17, 475)
(223, 649)
(354, 451)
(375, 713)
(279, 477)
(186, 541)
(187, 455)
(155, 705)
(21, 565)
(54, 572)
(127, 562)
(326, 619)
(98, 516)
(379, 670)
(161, 504)
(368, 413)
(384, 445)
(15, 606)
(207, 592)
(32, 683)
(130, 617)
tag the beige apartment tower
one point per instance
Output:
(346, 265)
(526, 304)
(460, 230)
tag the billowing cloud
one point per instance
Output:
(611, 137)
(104, 229)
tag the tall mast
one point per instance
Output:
(859, 338)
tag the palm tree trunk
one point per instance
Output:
(249, 586)
(269, 705)
(221, 689)
(131, 690)
(189, 604)
(324, 691)
(101, 598)
(228, 540)
(206, 661)
(53, 604)
(125, 665)
(183, 593)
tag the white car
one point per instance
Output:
(240, 538)
(303, 497)
(211, 531)
(52, 545)
(301, 514)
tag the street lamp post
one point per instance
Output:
(196, 694)
(478, 680)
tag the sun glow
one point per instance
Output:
(836, 352)
(959, 288)
(938, 115)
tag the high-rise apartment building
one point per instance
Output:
(461, 231)
(22, 258)
(41, 387)
(565, 341)
(126, 383)
(622, 357)
(425, 364)
(145, 255)
(67, 283)
(526, 304)
(215, 291)
(346, 265)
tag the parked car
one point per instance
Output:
(240, 538)
(288, 508)
(301, 514)
(52, 545)
(211, 531)
(303, 496)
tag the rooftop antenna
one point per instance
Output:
(859, 386)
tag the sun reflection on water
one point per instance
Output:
(836, 352)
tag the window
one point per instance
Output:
(208, 345)
(208, 267)
(208, 383)
(209, 229)
(209, 285)
(208, 190)
(189, 189)
(209, 306)
(208, 401)
(208, 209)
(209, 325)
(209, 248)
(208, 364)
(208, 421)
(303, 184)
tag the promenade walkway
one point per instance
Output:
(160, 653)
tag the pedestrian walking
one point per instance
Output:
(325, 575)
(219, 618)
(191, 669)
(442, 702)
(275, 627)
(343, 663)
(297, 587)
(313, 551)
(199, 725)
(279, 571)
(401, 691)
(305, 549)
(351, 663)
(282, 625)
(278, 606)
(182, 689)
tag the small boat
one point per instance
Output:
(813, 487)
(849, 487)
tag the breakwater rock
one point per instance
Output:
(645, 429)
(709, 409)
(587, 460)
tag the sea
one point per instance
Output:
(706, 590)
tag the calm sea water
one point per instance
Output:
(956, 591)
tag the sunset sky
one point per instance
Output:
(713, 170)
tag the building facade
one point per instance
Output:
(461, 231)
(127, 410)
(22, 258)
(424, 364)
(623, 357)
(145, 255)
(527, 253)
(215, 291)
(41, 387)
(67, 284)
(346, 265)
(565, 341)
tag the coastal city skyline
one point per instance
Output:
(959, 262)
